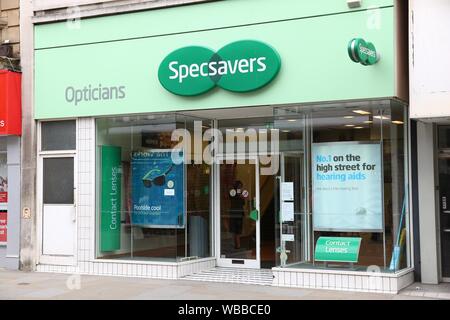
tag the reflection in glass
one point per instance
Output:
(188, 235)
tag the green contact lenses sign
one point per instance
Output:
(240, 66)
(110, 198)
(337, 249)
(362, 52)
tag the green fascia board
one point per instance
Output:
(315, 67)
(190, 18)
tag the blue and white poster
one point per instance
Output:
(347, 186)
(157, 189)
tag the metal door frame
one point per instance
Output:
(228, 262)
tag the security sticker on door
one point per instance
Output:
(287, 237)
(169, 192)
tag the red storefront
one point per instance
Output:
(10, 132)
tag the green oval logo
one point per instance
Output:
(250, 65)
(186, 71)
(362, 52)
(240, 66)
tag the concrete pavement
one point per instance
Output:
(34, 285)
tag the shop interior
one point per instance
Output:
(230, 209)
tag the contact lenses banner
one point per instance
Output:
(347, 186)
(157, 189)
(111, 198)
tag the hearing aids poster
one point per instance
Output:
(347, 186)
(157, 189)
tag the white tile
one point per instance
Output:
(345, 281)
(293, 282)
(84, 188)
(386, 284)
(159, 271)
(275, 278)
(358, 282)
(312, 280)
(281, 281)
(126, 269)
(338, 281)
(81, 145)
(325, 282)
(318, 280)
(115, 267)
(393, 284)
(300, 279)
(81, 134)
(365, 283)
(306, 280)
(375, 283)
(332, 281)
(351, 282)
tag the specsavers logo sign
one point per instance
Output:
(240, 66)
(363, 52)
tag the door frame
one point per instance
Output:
(228, 262)
(54, 259)
(305, 249)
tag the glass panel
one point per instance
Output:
(58, 135)
(58, 183)
(377, 130)
(444, 137)
(444, 201)
(237, 201)
(291, 231)
(158, 217)
(268, 207)
(293, 167)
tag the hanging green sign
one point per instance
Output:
(362, 52)
(241, 66)
(111, 169)
(337, 249)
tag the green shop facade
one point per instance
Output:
(201, 140)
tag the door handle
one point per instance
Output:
(254, 215)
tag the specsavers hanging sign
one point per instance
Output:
(241, 66)
(361, 51)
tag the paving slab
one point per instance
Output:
(36, 285)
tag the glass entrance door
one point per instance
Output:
(238, 204)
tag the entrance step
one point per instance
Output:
(262, 277)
